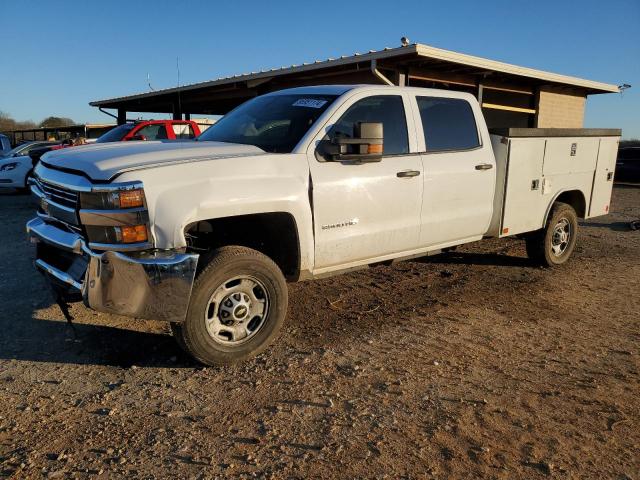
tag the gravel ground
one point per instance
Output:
(471, 364)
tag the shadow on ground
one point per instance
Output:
(473, 258)
(42, 340)
(614, 226)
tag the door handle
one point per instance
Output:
(408, 173)
(484, 166)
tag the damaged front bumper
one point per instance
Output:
(150, 284)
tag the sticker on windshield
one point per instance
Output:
(309, 102)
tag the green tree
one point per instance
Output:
(56, 122)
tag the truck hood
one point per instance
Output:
(103, 161)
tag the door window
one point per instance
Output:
(448, 124)
(153, 132)
(385, 109)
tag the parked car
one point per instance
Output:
(628, 164)
(16, 164)
(296, 185)
(24, 148)
(5, 144)
(152, 130)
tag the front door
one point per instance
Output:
(368, 210)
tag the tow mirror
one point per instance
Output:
(367, 145)
(138, 138)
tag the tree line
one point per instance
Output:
(8, 123)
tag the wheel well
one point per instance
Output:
(575, 198)
(275, 234)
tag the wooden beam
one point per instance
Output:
(508, 88)
(443, 78)
(508, 108)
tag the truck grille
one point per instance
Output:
(60, 195)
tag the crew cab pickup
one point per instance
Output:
(296, 185)
(151, 130)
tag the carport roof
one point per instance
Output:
(404, 58)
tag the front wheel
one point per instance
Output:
(237, 307)
(554, 244)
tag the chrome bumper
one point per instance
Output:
(152, 285)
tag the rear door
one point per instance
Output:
(368, 210)
(459, 170)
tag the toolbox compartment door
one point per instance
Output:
(524, 203)
(603, 177)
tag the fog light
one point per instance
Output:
(135, 234)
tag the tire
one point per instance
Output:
(554, 244)
(238, 305)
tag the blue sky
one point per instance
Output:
(60, 55)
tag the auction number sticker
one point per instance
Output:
(309, 102)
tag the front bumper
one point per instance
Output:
(154, 285)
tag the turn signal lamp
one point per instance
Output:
(375, 148)
(131, 199)
(134, 234)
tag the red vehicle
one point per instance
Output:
(152, 130)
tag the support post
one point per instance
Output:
(122, 116)
(401, 77)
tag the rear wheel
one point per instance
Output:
(554, 244)
(237, 307)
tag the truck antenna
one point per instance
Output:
(178, 80)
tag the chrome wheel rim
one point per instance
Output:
(237, 310)
(561, 237)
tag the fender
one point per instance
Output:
(555, 199)
(179, 195)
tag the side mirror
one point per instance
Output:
(137, 138)
(366, 146)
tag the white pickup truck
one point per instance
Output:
(296, 185)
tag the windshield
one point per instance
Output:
(14, 151)
(116, 134)
(274, 123)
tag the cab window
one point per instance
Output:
(183, 130)
(448, 124)
(153, 132)
(385, 109)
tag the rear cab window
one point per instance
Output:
(448, 124)
(183, 130)
(156, 131)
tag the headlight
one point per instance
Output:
(115, 215)
(113, 200)
(8, 167)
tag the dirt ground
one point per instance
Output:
(471, 364)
